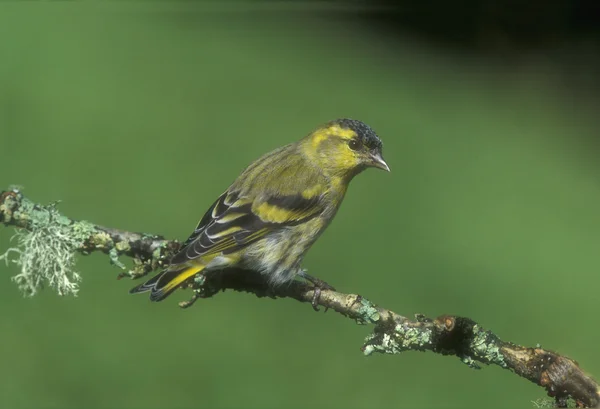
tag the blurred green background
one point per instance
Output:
(138, 115)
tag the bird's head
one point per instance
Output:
(345, 147)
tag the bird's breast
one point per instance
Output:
(279, 254)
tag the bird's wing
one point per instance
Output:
(234, 221)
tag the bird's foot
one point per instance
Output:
(319, 286)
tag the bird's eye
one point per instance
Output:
(354, 144)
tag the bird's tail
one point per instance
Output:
(164, 283)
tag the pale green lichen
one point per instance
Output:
(412, 336)
(368, 349)
(5, 209)
(45, 252)
(382, 343)
(113, 255)
(485, 347)
(82, 230)
(544, 403)
(470, 362)
(138, 270)
(159, 254)
(199, 280)
(101, 240)
(403, 338)
(122, 246)
(552, 403)
(368, 312)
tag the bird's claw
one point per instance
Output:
(316, 298)
(319, 286)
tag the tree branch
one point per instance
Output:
(48, 241)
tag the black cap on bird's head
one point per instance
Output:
(365, 140)
(363, 131)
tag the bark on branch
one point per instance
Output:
(48, 240)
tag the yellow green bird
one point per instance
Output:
(276, 209)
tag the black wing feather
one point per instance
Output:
(208, 237)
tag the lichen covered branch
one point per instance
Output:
(48, 241)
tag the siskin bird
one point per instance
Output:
(276, 209)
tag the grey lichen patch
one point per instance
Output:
(484, 346)
(414, 336)
(45, 252)
(141, 267)
(403, 338)
(470, 362)
(368, 312)
(382, 343)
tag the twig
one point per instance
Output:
(562, 377)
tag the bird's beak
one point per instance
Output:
(378, 162)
